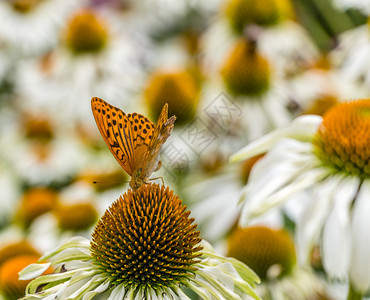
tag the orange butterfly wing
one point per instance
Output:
(125, 135)
(161, 133)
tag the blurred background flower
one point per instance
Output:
(232, 71)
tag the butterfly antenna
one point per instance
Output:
(112, 182)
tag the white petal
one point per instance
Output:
(216, 282)
(75, 242)
(201, 291)
(279, 167)
(310, 224)
(118, 292)
(182, 295)
(242, 269)
(257, 123)
(275, 108)
(100, 289)
(258, 206)
(52, 293)
(301, 128)
(33, 271)
(73, 291)
(336, 234)
(360, 264)
(71, 254)
(91, 283)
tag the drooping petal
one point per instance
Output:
(33, 271)
(52, 293)
(87, 282)
(310, 224)
(258, 206)
(217, 281)
(182, 295)
(99, 289)
(302, 129)
(274, 108)
(360, 262)
(278, 168)
(73, 244)
(118, 292)
(224, 276)
(336, 234)
(46, 279)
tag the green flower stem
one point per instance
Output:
(353, 294)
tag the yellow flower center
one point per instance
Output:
(178, 89)
(245, 72)
(342, 141)
(262, 12)
(270, 253)
(35, 202)
(24, 6)
(86, 33)
(77, 216)
(38, 127)
(146, 240)
(10, 285)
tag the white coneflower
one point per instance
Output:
(282, 41)
(319, 88)
(271, 254)
(327, 157)
(38, 151)
(30, 27)
(249, 79)
(144, 247)
(94, 57)
(351, 56)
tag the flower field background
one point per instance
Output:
(234, 73)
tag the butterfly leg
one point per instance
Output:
(158, 178)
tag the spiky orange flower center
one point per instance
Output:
(270, 253)
(342, 141)
(146, 240)
(86, 33)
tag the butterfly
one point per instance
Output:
(133, 139)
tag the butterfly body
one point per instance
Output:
(133, 139)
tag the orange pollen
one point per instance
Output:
(342, 141)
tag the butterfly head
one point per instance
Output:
(137, 179)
